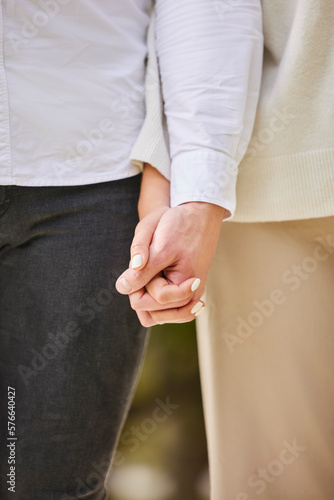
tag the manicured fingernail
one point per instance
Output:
(196, 307)
(136, 261)
(124, 286)
(200, 311)
(195, 284)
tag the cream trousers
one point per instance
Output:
(266, 347)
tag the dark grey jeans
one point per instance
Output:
(70, 346)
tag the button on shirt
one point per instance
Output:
(72, 76)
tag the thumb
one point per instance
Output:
(132, 280)
(141, 241)
(143, 237)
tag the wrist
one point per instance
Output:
(215, 213)
(154, 191)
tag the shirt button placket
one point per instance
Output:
(5, 151)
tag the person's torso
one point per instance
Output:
(288, 169)
(72, 89)
(298, 76)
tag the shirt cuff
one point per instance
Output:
(206, 176)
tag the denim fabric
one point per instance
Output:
(70, 345)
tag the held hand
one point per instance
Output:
(169, 296)
(176, 302)
(181, 250)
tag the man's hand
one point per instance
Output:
(170, 253)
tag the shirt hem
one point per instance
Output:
(75, 181)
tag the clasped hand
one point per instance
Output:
(171, 254)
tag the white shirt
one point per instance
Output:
(72, 90)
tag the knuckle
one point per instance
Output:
(160, 297)
(135, 247)
(184, 295)
(145, 320)
(184, 302)
(184, 316)
(137, 279)
(134, 304)
(155, 319)
(138, 228)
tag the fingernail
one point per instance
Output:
(200, 311)
(196, 307)
(124, 286)
(195, 284)
(136, 261)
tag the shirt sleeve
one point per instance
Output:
(210, 62)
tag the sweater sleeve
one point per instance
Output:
(210, 60)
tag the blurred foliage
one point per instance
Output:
(177, 445)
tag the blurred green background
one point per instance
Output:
(162, 450)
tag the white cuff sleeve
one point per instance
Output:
(210, 59)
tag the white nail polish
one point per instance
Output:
(196, 307)
(136, 261)
(200, 311)
(195, 284)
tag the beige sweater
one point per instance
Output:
(288, 168)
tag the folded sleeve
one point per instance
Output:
(210, 62)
